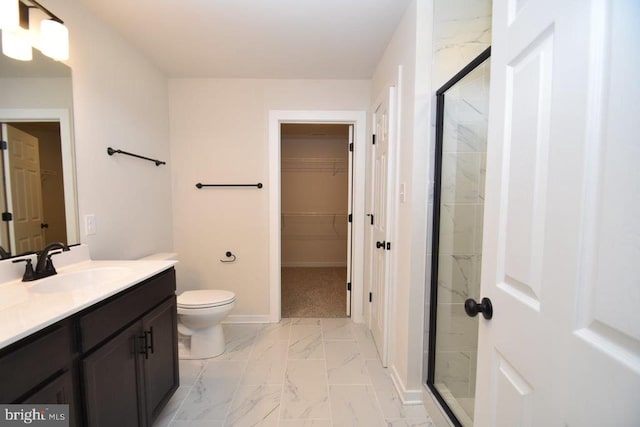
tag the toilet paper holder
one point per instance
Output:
(229, 254)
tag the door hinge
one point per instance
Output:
(388, 246)
(349, 286)
(7, 216)
(350, 218)
(3, 145)
(370, 296)
(351, 146)
(374, 139)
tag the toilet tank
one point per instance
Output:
(161, 256)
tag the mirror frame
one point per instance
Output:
(67, 146)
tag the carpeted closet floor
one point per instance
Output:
(314, 291)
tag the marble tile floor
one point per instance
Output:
(297, 373)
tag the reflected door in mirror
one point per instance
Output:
(34, 187)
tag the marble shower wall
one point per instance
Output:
(462, 30)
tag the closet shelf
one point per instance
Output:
(313, 225)
(309, 237)
(328, 214)
(315, 164)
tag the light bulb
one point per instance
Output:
(16, 44)
(9, 14)
(54, 39)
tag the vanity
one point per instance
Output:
(100, 336)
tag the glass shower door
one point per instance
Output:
(461, 135)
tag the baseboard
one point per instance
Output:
(314, 264)
(408, 397)
(240, 318)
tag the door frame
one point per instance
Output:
(63, 117)
(350, 117)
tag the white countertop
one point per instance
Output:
(23, 312)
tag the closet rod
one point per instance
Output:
(111, 152)
(199, 185)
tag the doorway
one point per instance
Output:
(358, 120)
(315, 229)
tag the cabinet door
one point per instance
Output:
(112, 381)
(30, 363)
(161, 361)
(60, 392)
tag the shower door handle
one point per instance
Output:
(472, 308)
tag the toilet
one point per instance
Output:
(199, 316)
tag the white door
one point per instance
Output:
(562, 231)
(384, 128)
(350, 223)
(24, 200)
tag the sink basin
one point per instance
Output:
(77, 280)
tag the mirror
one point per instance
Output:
(37, 171)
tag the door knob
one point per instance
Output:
(380, 244)
(472, 308)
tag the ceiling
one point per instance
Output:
(284, 39)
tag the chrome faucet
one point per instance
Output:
(44, 265)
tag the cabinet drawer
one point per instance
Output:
(122, 309)
(25, 367)
(59, 391)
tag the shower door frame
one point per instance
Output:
(440, 98)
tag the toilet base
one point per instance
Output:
(203, 344)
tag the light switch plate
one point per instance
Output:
(90, 224)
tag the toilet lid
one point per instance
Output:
(205, 298)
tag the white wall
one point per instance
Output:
(409, 49)
(219, 134)
(36, 93)
(120, 100)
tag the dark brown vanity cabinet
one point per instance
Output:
(160, 364)
(40, 370)
(130, 378)
(114, 363)
(131, 367)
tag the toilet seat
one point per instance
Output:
(205, 298)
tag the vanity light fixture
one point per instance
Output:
(16, 44)
(36, 27)
(9, 15)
